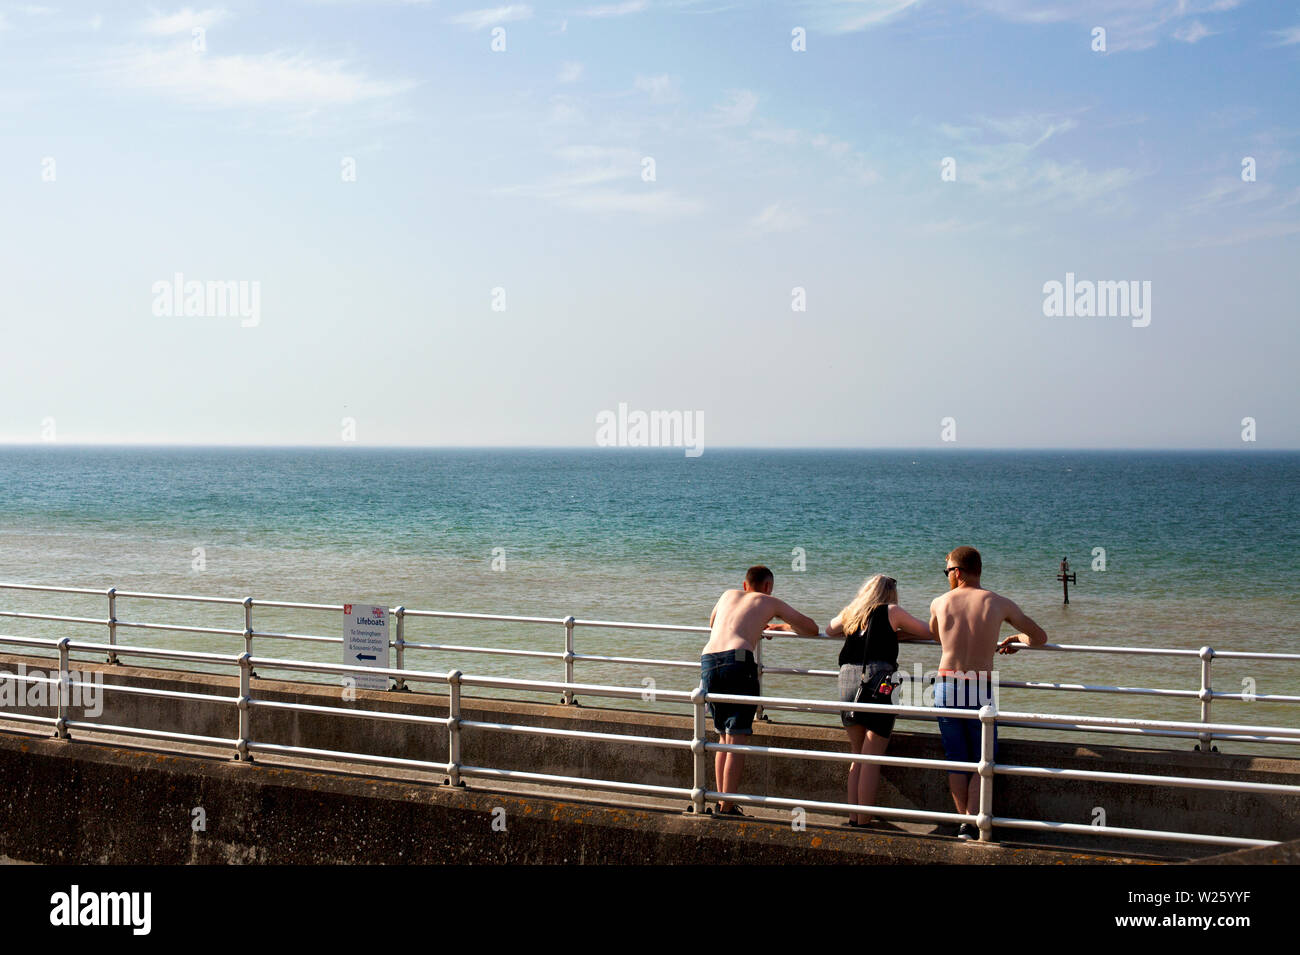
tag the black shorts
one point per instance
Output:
(882, 724)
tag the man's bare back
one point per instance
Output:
(740, 617)
(967, 620)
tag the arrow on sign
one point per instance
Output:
(362, 656)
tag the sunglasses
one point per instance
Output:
(949, 570)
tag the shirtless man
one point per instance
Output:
(966, 621)
(727, 665)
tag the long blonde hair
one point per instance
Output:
(877, 591)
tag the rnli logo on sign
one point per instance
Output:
(347, 609)
(377, 611)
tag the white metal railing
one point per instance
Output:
(569, 657)
(246, 745)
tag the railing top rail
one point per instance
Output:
(594, 624)
(196, 656)
(502, 618)
(295, 605)
(57, 590)
(187, 598)
(437, 676)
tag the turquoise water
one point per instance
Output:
(1198, 549)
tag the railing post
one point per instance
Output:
(988, 726)
(248, 629)
(245, 711)
(1206, 696)
(758, 662)
(61, 699)
(568, 697)
(699, 752)
(453, 728)
(112, 623)
(400, 645)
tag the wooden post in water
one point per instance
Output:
(1066, 578)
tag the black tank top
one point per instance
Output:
(882, 645)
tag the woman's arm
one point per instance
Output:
(904, 622)
(835, 628)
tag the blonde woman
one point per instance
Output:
(871, 625)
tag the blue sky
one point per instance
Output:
(522, 170)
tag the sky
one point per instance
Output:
(822, 223)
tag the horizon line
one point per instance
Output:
(583, 447)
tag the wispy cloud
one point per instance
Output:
(848, 159)
(1193, 32)
(492, 16)
(845, 156)
(565, 112)
(270, 79)
(850, 16)
(737, 109)
(1236, 236)
(662, 87)
(606, 10)
(1290, 200)
(570, 73)
(1038, 128)
(1230, 193)
(1009, 163)
(952, 226)
(605, 180)
(778, 217)
(182, 22)
(589, 165)
(652, 204)
(1130, 24)
(1231, 211)
(1288, 36)
(25, 10)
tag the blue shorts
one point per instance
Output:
(735, 673)
(961, 737)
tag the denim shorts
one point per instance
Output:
(735, 673)
(961, 737)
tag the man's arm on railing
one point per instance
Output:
(804, 626)
(1032, 634)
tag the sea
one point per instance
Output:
(1170, 550)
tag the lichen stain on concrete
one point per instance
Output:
(817, 842)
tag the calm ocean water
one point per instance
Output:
(1197, 549)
